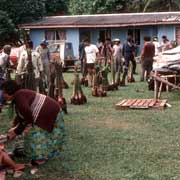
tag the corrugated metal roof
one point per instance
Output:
(106, 20)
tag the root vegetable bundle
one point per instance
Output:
(57, 84)
(78, 96)
(97, 89)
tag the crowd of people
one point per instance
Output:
(43, 126)
(122, 55)
(39, 118)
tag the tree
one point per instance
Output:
(23, 10)
(56, 7)
(8, 32)
(162, 5)
(97, 6)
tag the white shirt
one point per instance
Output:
(117, 51)
(157, 46)
(91, 52)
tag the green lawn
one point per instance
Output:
(105, 144)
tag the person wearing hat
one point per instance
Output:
(117, 55)
(43, 50)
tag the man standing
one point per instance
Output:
(91, 54)
(147, 54)
(107, 51)
(156, 45)
(117, 55)
(128, 53)
(43, 50)
(30, 67)
(165, 43)
(82, 56)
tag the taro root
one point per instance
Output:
(78, 96)
(84, 81)
(97, 89)
(57, 84)
(130, 77)
(104, 77)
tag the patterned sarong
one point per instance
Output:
(40, 144)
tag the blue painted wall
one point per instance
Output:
(120, 33)
(37, 35)
(94, 36)
(167, 30)
(73, 36)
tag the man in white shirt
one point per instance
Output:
(91, 52)
(156, 44)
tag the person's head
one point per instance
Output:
(147, 38)
(129, 38)
(29, 44)
(108, 41)
(44, 44)
(155, 39)
(164, 39)
(9, 88)
(116, 41)
(7, 49)
(86, 42)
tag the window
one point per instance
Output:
(135, 33)
(104, 34)
(55, 35)
(84, 34)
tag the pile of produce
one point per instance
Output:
(97, 89)
(57, 84)
(78, 96)
(130, 77)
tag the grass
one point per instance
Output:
(105, 144)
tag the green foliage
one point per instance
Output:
(120, 6)
(16, 12)
(7, 28)
(21, 11)
(56, 7)
(97, 6)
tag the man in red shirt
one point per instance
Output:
(147, 55)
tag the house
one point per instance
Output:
(75, 28)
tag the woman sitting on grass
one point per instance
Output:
(41, 120)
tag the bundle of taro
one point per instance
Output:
(97, 90)
(104, 77)
(130, 77)
(84, 81)
(57, 84)
(78, 96)
(113, 86)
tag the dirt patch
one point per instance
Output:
(115, 124)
